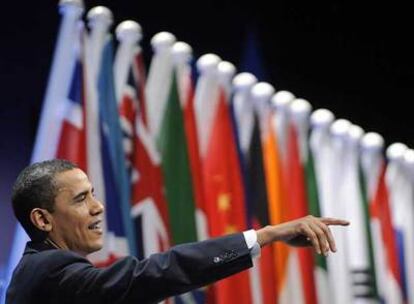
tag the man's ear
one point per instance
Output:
(41, 218)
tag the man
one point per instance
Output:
(55, 203)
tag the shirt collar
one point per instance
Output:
(35, 247)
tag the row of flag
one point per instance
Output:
(178, 158)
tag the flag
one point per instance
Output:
(187, 98)
(255, 176)
(274, 138)
(275, 194)
(320, 155)
(176, 170)
(367, 230)
(361, 279)
(72, 142)
(205, 99)
(385, 251)
(335, 205)
(260, 215)
(380, 211)
(175, 161)
(165, 120)
(256, 107)
(225, 194)
(148, 205)
(108, 164)
(400, 202)
(50, 122)
(297, 196)
(321, 269)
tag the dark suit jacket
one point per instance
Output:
(46, 275)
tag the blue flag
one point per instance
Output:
(117, 188)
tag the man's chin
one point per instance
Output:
(95, 247)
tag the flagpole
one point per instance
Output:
(372, 160)
(300, 110)
(243, 107)
(99, 21)
(372, 145)
(280, 102)
(48, 130)
(225, 73)
(258, 104)
(409, 248)
(262, 93)
(320, 140)
(159, 80)
(182, 54)
(129, 35)
(205, 99)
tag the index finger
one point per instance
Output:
(334, 221)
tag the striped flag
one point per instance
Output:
(148, 204)
(245, 109)
(275, 150)
(336, 205)
(380, 211)
(367, 229)
(183, 54)
(179, 124)
(119, 234)
(297, 196)
(321, 269)
(320, 155)
(72, 139)
(362, 282)
(176, 169)
(400, 202)
(385, 246)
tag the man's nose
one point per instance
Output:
(96, 207)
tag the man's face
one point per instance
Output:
(77, 217)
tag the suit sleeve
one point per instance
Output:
(182, 268)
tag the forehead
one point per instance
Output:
(71, 180)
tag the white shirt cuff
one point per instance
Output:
(250, 236)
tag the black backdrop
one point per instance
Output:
(354, 59)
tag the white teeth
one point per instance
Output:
(95, 226)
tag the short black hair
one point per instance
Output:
(35, 187)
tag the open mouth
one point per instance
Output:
(96, 226)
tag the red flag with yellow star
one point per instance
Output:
(224, 193)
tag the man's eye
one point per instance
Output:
(81, 198)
